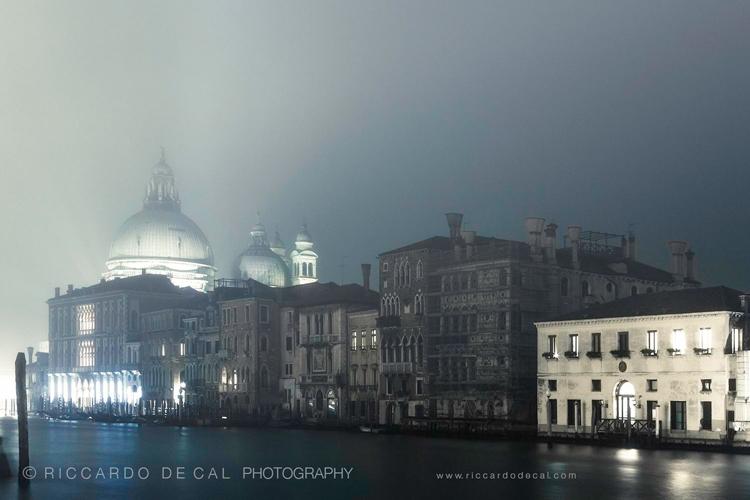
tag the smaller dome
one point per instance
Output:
(263, 265)
(304, 236)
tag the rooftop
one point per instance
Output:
(689, 300)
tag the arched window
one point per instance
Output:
(564, 287)
(585, 292)
(634, 290)
(304, 269)
(412, 347)
(419, 350)
(264, 377)
(649, 290)
(311, 269)
(420, 270)
(263, 344)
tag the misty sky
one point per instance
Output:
(368, 120)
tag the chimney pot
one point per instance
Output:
(57, 291)
(366, 276)
(454, 224)
(70, 287)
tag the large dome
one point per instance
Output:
(160, 239)
(161, 233)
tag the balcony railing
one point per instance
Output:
(404, 367)
(620, 353)
(388, 322)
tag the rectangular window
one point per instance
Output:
(574, 412)
(552, 385)
(678, 342)
(86, 352)
(234, 315)
(706, 415)
(623, 343)
(420, 387)
(289, 343)
(732, 385)
(552, 345)
(736, 341)
(651, 410)
(247, 314)
(705, 385)
(354, 341)
(677, 415)
(374, 339)
(264, 314)
(704, 340)
(553, 411)
(574, 344)
(652, 342)
(182, 348)
(596, 342)
(596, 385)
(362, 340)
(651, 385)
(503, 320)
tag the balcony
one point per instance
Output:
(388, 322)
(620, 353)
(649, 353)
(405, 367)
(702, 351)
(550, 355)
(571, 354)
(594, 354)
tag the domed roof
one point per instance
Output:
(303, 236)
(264, 265)
(161, 232)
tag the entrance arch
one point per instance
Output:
(625, 401)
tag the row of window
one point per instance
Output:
(652, 385)
(586, 288)
(677, 413)
(229, 315)
(677, 343)
(359, 340)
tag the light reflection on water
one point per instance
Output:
(385, 466)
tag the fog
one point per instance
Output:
(369, 121)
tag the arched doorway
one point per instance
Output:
(625, 401)
(319, 401)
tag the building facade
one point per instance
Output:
(458, 312)
(672, 365)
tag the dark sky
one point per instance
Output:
(369, 121)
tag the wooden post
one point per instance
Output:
(23, 420)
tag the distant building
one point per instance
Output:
(458, 312)
(36, 377)
(160, 239)
(272, 264)
(674, 364)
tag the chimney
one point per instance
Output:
(70, 287)
(550, 243)
(690, 265)
(574, 236)
(30, 353)
(454, 224)
(143, 271)
(101, 281)
(57, 291)
(677, 250)
(469, 237)
(534, 227)
(632, 254)
(366, 276)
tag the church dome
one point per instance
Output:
(160, 239)
(161, 233)
(260, 262)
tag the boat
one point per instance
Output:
(370, 430)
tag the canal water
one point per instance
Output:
(301, 464)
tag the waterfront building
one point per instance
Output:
(458, 312)
(322, 315)
(160, 239)
(673, 364)
(96, 337)
(249, 348)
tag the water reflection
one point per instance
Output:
(385, 466)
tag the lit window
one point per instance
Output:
(574, 343)
(362, 340)
(86, 353)
(678, 341)
(182, 348)
(86, 318)
(704, 340)
(736, 343)
(652, 341)
(354, 341)
(706, 385)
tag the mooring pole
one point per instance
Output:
(23, 420)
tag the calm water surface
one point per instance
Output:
(384, 466)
